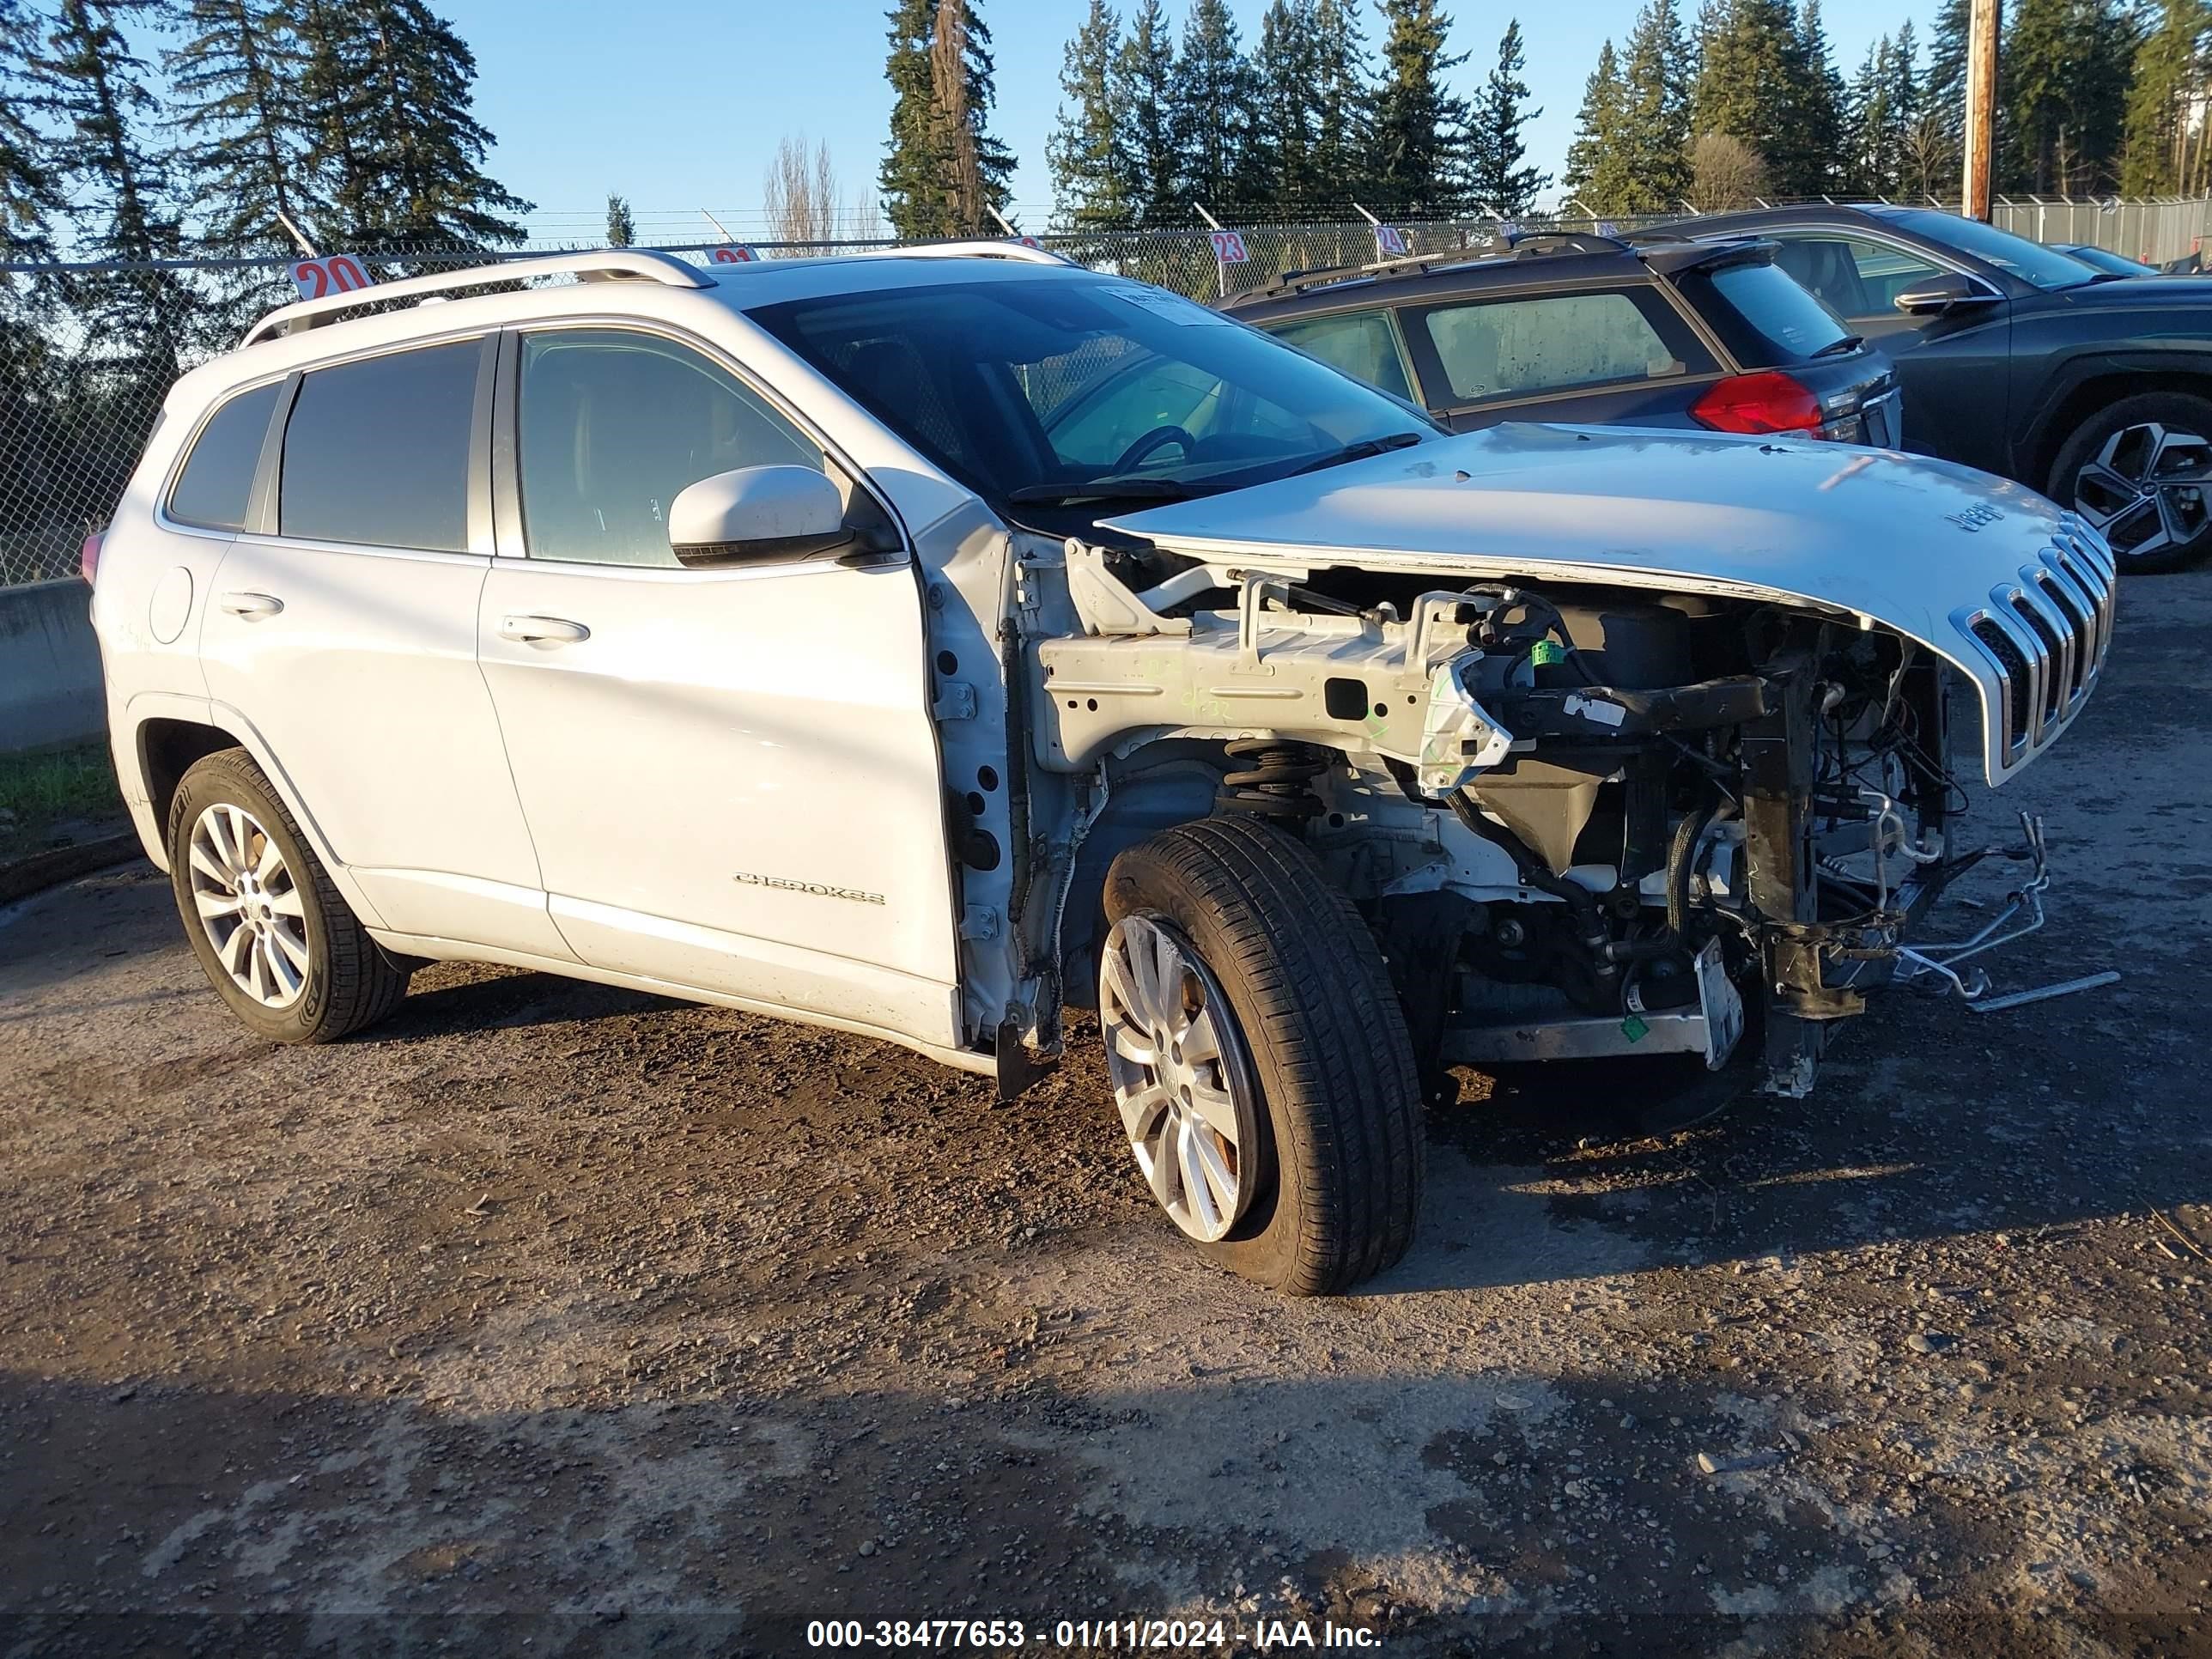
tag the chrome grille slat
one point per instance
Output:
(2030, 645)
(2010, 709)
(2058, 678)
(2086, 575)
(2043, 639)
(2083, 622)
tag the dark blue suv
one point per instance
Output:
(1653, 330)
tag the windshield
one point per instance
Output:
(2032, 262)
(2103, 259)
(1034, 390)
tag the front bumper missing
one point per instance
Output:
(1711, 1029)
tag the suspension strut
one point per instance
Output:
(1274, 779)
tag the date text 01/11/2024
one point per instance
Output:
(1194, 1635)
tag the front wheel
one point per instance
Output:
(2141, 471)
(1259, 1057)
(276, 940)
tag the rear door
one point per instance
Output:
(1619, 355)
(730, 774)
(342, 629)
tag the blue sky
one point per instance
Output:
(677, 104)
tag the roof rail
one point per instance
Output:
(1298, 281)
(970, 247)
(597, 265)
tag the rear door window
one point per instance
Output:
(1365, 344)
(1520, 347)
(217, 483)
(1762, 315)
(378, 452)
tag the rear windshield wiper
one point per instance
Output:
(1836, 347)
(1110, 490)
(1358, 452)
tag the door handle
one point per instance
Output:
(251, 606)
(543, 630)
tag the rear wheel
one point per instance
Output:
(1259, 1057)
(2141, 471)
(277, 941)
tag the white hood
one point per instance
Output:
(1925, 548)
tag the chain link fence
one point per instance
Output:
(81, 390)
(2156, 231)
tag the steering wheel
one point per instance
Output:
(1158, 438)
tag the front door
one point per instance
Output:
(1953, 369)
(731, 775)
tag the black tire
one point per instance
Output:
(1341, 1148)
(2177, 412)
(350, 980)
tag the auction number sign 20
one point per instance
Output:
(335, 273)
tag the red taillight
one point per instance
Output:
(1769, 401)
(88, 558)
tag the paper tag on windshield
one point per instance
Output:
(1172, 306)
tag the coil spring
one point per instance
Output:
(1276, 780)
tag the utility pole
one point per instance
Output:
(1981, 107)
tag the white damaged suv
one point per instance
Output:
(919, 644)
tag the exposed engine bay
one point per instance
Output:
(1584, 819)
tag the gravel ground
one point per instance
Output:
(552, 1318)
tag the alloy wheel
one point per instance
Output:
(2147, 489)
(1181, 1076)
(250, 904)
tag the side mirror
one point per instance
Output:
(1937, 295)
(758, 516)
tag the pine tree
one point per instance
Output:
(1495, 173)
(235, 97)
(1143, 95)
(2160, 155)
(1943, 90)
(28, 200)
(1344, 100)
(334, 94)
(979, 166)
(1211, 110)
(1598, 163)
(2038, 47)
(395, 141)
(1819, 116)
(1286, 80)
(908, 178)
(122, 205)
(942, 168)
(1915, 144)
(1085, 151)
(622, 230)
(1420, 129)
(2064, 91)
(1872, 159)
(1753, 84)
(28, 194)
(1654, 109)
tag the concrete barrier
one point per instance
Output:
(51, 692)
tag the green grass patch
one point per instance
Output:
(61, 795)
